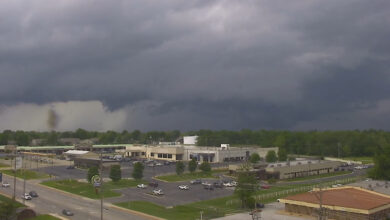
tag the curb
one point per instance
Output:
(135, 212)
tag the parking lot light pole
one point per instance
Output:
(13, 196)
(101, 185)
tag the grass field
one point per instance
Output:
(29, 174)
(44, 217)
(6, 199)
(87, 190)
(318, 176)
(191, 176)
(364, 160)
(2, 165)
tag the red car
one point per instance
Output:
(265, 186)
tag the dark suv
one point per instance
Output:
(153, 184)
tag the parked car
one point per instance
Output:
(158, 164)
(208, 187)
(184, 187)
(67, 212)
(197, 181)
(26, 196)
(205, 183)
(265, 186)
(218, 184)
(33, 194)
(259, 205)
(153, 184)
(5, 184)
(151, 165)
(158, 192)
(70, 167)
(230, 184)
(167, 163)
(142, 186)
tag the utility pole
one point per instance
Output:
(101, 185)
(24, 178)
(13, 196)
(319, 196)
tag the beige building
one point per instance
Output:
(295, 169)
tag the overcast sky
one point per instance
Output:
(188, 65)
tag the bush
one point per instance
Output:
(179, 167)
(271, 157)
(138, 171)
(255, 157)
(92, 171)
(205, 167)
(115, 173)
(192, 165)
(271, 181)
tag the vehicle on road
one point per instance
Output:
(153, 184)
(142, 186)
(197, 181)
(67, 212)
(218, 184)
(26, 196)
(5, 184)
(33, 194)
(184, 187)
(208, 187)
(158, 192)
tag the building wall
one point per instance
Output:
(294, 171)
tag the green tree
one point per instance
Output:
(138, 171)
(205, 167)
(282, 154)
(255, 157)
(381, 168)
(179, 167)
(271, 157)
(192, 165)
(92, 171)
(246, 187)
(115, 173)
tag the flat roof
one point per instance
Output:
(353, 198)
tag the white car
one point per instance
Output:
(5, 184)
(228, 184)
(142, 186)
(158, 164)
(158, 192)
(26, 196)
(184, 187)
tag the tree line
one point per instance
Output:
(322, 143)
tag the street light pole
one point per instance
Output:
(24, 179)
(101, 185)
(13, 196)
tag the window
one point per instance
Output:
(169, 155)
(152, 154)
(160, 156)
(165, 156)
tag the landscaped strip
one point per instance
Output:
(79, 188)
(6, 199)
(191, 176)
(87, 189)
(44, 217)
(28, 174)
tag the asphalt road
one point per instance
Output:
(52, 201)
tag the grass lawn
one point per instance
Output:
(364, 160)
(28, 173)
(44, 217)
(2, 165)
(191, 176)
(79, 188)
(123, 183)
(6, 199)
(318, 176)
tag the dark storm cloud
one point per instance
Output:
(201, 64)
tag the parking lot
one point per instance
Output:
(172, 194)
